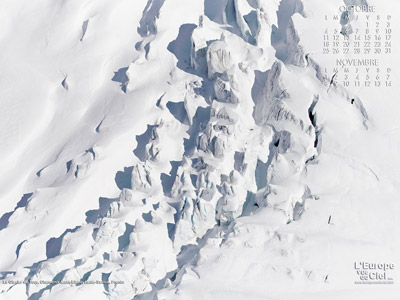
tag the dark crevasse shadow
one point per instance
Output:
(221, 12)
(171, 227)
(215, 10)
(224, 12)
(258, 86)
(21, 203)
(24, 200)
(84, 29)
(230, 14)
(261, 174)
(239, 163)
(202, 116)
(147, 217)
(251, 20)
(287, 8)
(104, 205)
(123, 240)
(142, 141)
(147, 25)
(121, 77)
(239, 160)
(167, 181)
(5, 274)
(4, 220)
(181, 46)
(188, 254)
(177, 109)
(19, 248)
(33, 269)
(123, 178)
(250, 206)
(53, 245)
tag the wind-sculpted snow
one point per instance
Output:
(192, 150)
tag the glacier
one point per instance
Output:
(160, 149)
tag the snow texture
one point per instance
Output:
(189, 150)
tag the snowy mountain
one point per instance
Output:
(171, 149)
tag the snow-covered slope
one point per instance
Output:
(175, 149)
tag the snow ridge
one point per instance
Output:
(237, 129)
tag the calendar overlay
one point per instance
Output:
(358, 41)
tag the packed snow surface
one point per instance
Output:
(190, 149)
